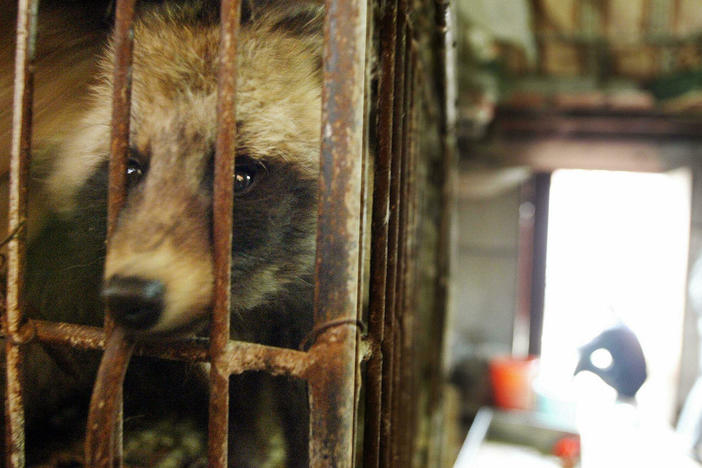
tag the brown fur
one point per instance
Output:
(174, 81)
(173, 127)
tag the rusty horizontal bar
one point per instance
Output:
(76, 336)
(19, 172)
(193, 349)
(93, 338)
(240, 356)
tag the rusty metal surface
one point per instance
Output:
(222, 232)
(93, 338)
(241, 356)
(412, 263)
(392, 329)
(106, 402)
(400, 390)
(446, 182)
(123, 37)
(379, 234)
(332, 408)
(19, 168)
(332, 371)
(403, 410)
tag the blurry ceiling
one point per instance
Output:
(614, 54)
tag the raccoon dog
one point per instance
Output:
(157, 275)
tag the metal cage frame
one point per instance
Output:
(332, 365)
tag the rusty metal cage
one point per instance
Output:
(377, 57)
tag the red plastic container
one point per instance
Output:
(511, 380)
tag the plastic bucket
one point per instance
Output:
(511, 380)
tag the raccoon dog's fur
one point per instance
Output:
(157, 275)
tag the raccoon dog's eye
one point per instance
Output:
(134, 172)
(246, 175)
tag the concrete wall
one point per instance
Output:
(485, 274)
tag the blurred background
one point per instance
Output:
(579, 211)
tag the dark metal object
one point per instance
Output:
(19, 168)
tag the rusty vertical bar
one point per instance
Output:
(123, 44)
(222, 209)
(418, 328)
(446, 55)
(392, 330)
(331, 376)
(103, 447)
(400, 400)
(447, 98)
(19, 171)
(406, 310)
(123, 40)
(391, 325)
(379, 233)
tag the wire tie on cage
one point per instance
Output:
(13, 234)
(26, 333)
(312, 336)
(3, 243)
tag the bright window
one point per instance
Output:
(617, 252)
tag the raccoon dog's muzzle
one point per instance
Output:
(159, 267)
(157, 290)
(134, 302)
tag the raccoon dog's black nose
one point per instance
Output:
(134, 302)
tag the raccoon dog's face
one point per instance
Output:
(159, 267)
